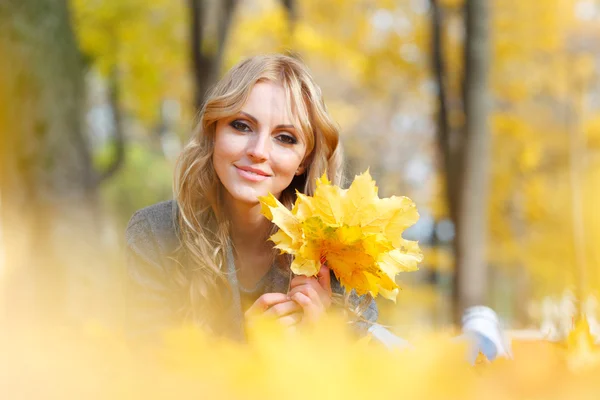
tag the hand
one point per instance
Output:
(275, 305)
(313, 294)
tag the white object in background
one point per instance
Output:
(481, 324)
(481, 328)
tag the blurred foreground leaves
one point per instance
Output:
(326, 362)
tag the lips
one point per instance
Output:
(252, 174)
(253, 170)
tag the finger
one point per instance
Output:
(290, 320)
(301, 280)
(311, 309)
(281, 309)
(324, 278)
(265, 301)
(313, 291)
(307, 290)
(310, 281)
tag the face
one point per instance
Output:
(258, 150)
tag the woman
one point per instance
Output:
(205, 257)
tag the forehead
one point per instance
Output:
(268, 101)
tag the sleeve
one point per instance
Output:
(151, 304)
(368, 316)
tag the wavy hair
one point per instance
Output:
(203, 224)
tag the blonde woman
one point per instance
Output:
(205, 258)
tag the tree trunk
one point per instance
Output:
(291, 8)
(470, 243)
(118, 142)
(47, 184)
(205, 63)
(446, 149)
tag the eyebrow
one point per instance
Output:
(253, 119)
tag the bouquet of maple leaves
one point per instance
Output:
(354, 232)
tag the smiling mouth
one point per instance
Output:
(254, 173)
(255, 176)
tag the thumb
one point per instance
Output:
(324, 278)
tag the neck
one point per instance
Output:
(249, 228)
(253, 252)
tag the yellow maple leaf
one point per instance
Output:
(266, 203)
(357, 234)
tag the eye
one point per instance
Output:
(240, 126)
(287, 139)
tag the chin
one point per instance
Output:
(247, 195)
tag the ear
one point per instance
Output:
(300, 170)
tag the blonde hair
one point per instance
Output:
(203, 225)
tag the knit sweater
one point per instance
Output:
(156, 302)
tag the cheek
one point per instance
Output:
(226, 147)
(288, 164)
(222, 156)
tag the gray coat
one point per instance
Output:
(156, 302)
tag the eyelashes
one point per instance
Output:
(243, 127)
(240, 126)
(287, 139)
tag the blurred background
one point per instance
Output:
(485, 112)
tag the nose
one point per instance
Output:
(259, 147)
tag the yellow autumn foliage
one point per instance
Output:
(357, 234)
(322, 363)
(581, 353)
